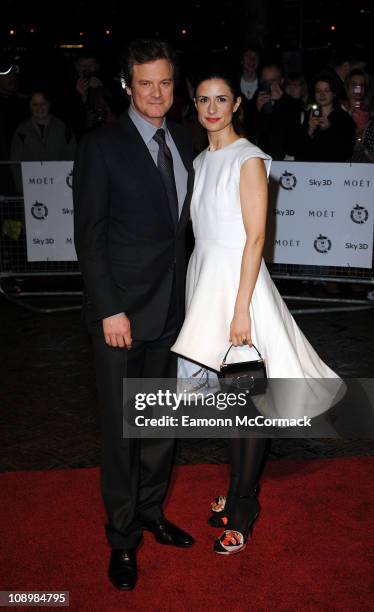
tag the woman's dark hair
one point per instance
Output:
(222, 76)
(328, 78)
(233, 85)
(144, 50)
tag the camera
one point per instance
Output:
(264, 87)
(316, 111)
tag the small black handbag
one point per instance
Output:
(245, 376)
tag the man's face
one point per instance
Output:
(39, 107)
(250, 61)
(271, 75)
(86, 66)
(151, 90)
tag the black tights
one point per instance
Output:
(247, 455)
(247, 459)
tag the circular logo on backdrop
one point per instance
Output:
(359, 214)
(322, 244)
(69, 180)
(39, 211)
(288, 181)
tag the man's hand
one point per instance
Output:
(117, 331)
(82, 86)
(94, 82)
(276, 91)
(262, 99)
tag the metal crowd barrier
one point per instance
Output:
(15, 269)
(325, 274)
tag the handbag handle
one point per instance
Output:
(230, 347)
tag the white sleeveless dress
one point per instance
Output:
(213, 280)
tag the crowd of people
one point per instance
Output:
(45, 126)
(325, 117)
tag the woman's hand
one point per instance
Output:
(240, 329)
(324, 123)
(313, 124)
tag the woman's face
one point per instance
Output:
(215, 104)
(323, 94)
(294, 89)
(39, 106)
(356, 87)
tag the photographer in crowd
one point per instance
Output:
(79, 99)
(273, 119)
(357, 99)
(328, 133)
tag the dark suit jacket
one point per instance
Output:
(127, 244)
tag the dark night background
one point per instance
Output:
(302, 34)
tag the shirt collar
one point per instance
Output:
(147, 130)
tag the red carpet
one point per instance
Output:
(312, 546)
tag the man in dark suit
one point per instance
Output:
(132, 187)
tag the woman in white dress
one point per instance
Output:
(230, 297)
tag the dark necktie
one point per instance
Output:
(166, 168)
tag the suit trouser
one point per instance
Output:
(134, 472)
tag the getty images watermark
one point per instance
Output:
(220, 401)
(293, 408)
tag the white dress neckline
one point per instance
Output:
(226, 147)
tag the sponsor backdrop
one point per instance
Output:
(319, 214)
(48, 211)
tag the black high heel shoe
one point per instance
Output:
(220, 511)
(232, 540)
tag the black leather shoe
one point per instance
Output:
(123, 571)
(167, 533)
